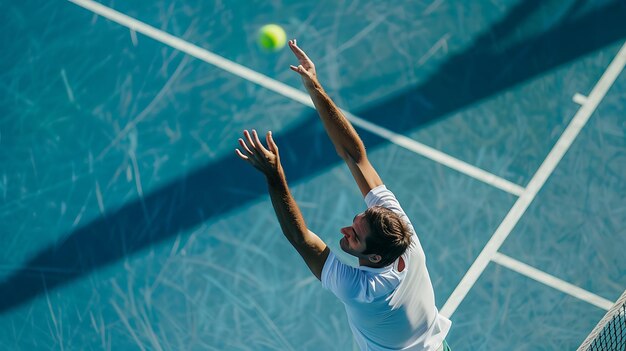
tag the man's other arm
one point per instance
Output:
(267, 160)
(312, 249)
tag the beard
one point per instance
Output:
(343, 243)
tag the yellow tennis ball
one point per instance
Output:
(272, 37)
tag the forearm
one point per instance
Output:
(340, 131)
(287, 210)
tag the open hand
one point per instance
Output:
(264, 159)
(306, 68)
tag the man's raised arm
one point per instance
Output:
(347, 142)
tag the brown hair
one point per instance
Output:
(390, 235)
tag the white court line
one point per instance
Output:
(538, 180)
(551, 281)
(296, 95)
(579, 98)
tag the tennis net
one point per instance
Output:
(610, 333)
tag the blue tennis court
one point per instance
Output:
(128, 222)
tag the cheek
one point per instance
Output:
(356, 245)
(351, 243)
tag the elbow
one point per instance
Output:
(298, 237)
(343, 154)
(297, 240)
(352, 157)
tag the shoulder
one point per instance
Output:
(356, 284)
(341, 279)
(381, 196)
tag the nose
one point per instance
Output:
(345, 231)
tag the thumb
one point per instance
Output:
(303, 71)
(300, 69)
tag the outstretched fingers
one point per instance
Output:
(302, 57)
(249, 141)
(258, 142)
(245, 146)
(251, 152)
(270, 143)
(253, 147)
(241, 155)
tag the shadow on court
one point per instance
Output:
(496, 61)
(482, 70)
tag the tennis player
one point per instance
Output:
(389, 297)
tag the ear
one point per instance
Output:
(374, 258)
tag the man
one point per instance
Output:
(389, 298)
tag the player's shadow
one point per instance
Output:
(482, 70)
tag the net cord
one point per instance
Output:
(600, 326)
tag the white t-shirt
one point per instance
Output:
(388, 309)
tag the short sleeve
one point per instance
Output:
(346, 282)
(381, 196)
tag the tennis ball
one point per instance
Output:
(272, 37)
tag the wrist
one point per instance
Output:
(312, 84)
(276, 176)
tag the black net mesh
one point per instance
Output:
(610, 333)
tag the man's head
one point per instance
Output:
(377, 235)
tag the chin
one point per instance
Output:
(342, 245)
(345, 248)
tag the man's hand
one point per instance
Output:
(306, 68)
(265, 160)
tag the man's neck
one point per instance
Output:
(367, 263)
